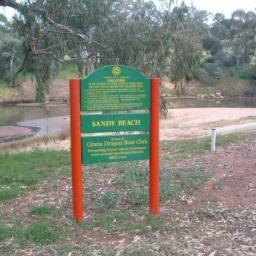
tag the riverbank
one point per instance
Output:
(228, 87)
(180, 124)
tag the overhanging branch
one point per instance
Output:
(13, 4)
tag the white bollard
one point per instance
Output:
(213, 141)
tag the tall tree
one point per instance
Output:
(185, 44)
(10, 50)
(90, 33)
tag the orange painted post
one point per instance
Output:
(76, 150)
(154, 146)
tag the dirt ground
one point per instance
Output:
(198, 122)
(233, 182)
(218, 219)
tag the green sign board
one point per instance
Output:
(115, 88)
(101, 149)
(115, 123)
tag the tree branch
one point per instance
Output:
(19, 70)
(72, 32)
(44, 52)
(13, 4)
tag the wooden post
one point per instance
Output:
(154, 146)
(76, 150)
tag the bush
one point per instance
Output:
(250, 92)
(246, 72)
(203, 76)
(253, 72)
(214, 70)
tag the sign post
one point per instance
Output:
(154, 146)
(76, 149)
(95, 105)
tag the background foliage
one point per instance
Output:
(176, 41)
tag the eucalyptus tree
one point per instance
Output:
(54, 30)
(10, 50)
(243, 35)
(136, 37)
(89, 33)
(185, 29)
(234, 39)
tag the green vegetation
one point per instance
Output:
(3, 84)
(5, 231)
(69, 70)
(41, 232)
(107, 201)
(42, 210)
(21, 171)
(175, 41)
(180, 150)
(18, 172)
(116, 203)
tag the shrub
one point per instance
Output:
(203, 76)
(250, 92)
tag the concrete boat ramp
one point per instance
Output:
(47, 126)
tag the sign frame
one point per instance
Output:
(76, 147)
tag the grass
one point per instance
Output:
(178, 150)
(5, 230)
(221, 123)
(41, 232)
(115, 221)
(107, 201)
(117, 206)
(42, 210)
(23, 170)
(123, 206)
(181, 181)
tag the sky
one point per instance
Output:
(8, 12)
(224, 6)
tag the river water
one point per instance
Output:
(13, 114)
